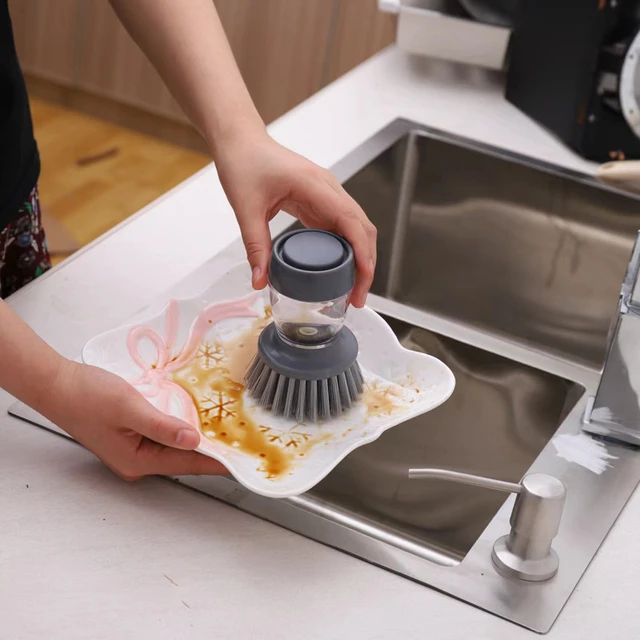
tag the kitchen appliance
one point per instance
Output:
(573, 67)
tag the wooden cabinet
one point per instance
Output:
(280, 47)
(286, 49)
(361, 30)
(112, 65)
(46, 37)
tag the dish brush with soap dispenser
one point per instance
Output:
(306, 366)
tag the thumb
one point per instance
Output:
(257, 242)
(160, 427)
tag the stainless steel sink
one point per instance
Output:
(472, 235)
(501, 416)
(509, 271)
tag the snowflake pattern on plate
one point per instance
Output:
(268, 454)
(295, 439)
(218, 406)
(212, 355)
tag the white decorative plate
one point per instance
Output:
(190, 359)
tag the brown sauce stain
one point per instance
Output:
(223, 417)
(243, 349)
(212, 380)
(381, 400)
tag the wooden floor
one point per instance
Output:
(96, 174)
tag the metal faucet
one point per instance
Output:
(525, 552)
(615, 409)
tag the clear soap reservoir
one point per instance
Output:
(308, 323)
(311, 276)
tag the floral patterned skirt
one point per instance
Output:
(23, 248)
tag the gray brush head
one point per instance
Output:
(305, 383)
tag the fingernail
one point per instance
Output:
(187, 439)
(255, 274)
(372, 264)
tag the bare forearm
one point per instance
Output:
(186, 43)
(28, 366)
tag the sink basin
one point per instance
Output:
(509, 271)
(500, 417)
(501, 245)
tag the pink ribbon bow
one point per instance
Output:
(155, 381)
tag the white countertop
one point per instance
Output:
(85, 555)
